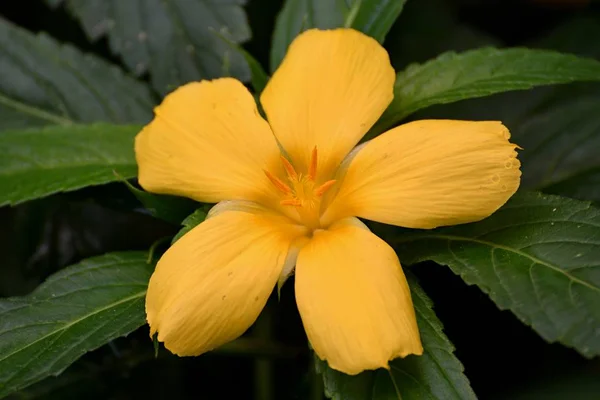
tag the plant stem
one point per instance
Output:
(316, 384)
(263, 371)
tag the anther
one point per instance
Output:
(324, 187)
(312, 167)
(283, 188)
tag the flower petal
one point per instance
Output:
(331, 87)
(354, 299)
(430, 173)
(209, 143)
(211, 285)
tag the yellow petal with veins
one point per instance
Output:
(209, 143)
(329, 90)
(354, 299)
(211, 285)
(430, 173)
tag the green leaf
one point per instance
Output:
(561, 141)
(562, 135)
(538, 256)
(299, 15)
(452, 77)
(583, 185)
(75, 311)
(437, 374)
(38, 162)
(170, 39)
(168, 208)
(191, 221)
(372, 17)
(44, 82)
(258, 76)
(428, 28)
(376, 17)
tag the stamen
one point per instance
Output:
(283, 188)
(289, 168)
(291, 202)
(312, 167)
(324, 187)
(300, 190)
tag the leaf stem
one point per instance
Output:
(35, 112)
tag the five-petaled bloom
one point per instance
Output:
(289, 192)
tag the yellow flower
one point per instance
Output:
(289, 193)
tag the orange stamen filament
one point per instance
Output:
(291, 202)
(312, 166)
(324, 187)
(282, 187)
(289, 168)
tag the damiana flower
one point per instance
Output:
(289, 192)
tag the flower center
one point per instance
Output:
(301, 191)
